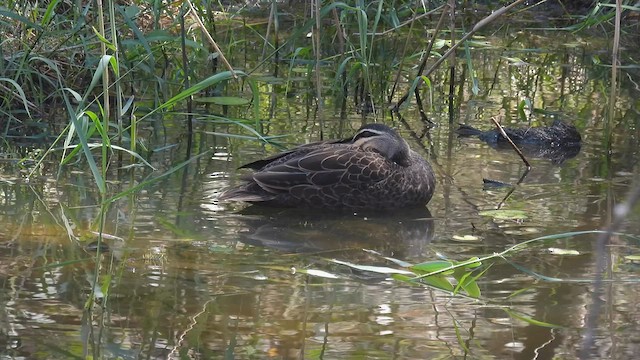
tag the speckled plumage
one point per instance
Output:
(375, 169)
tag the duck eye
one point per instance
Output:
(365, 134)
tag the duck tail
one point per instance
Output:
(466, 130)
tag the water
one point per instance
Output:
(187, 276)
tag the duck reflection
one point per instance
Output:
(311, 231)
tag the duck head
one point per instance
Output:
(383, 140)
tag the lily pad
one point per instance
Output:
(504, 214)
(224, 100)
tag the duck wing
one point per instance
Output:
(288, 154)
(323, 168)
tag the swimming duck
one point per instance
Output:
(559, 134)
(375, 169)
(558, 142)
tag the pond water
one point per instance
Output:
(185, 276)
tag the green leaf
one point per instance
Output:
(438, 281)
(106, 284)
(211, 80)
(20, 18)
(18, 88)
(530, 320)
(521, 114)
(431, 266)
(152, 180)
(404, 278)
(104, 40)
(49, 13)
(467, 283)
(471, 265)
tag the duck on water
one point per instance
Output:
(557, 142)
(374, 169)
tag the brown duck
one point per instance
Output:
(375, 169)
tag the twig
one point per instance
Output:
(513, 145)
(210, 39)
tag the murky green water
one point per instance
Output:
(193, 278)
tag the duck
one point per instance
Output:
(559, 142)
(559, 134)
(375, 169)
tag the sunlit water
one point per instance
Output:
(190, 277)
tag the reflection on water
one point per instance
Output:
(186, 276)
(306, 231)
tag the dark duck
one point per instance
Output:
(374, 169)
(557, 142)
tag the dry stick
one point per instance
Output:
(475, 29)
(272, 15)
(210, 39)
(452, 58)
(513, 145)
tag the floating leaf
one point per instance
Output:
(318, 273)
(376, 269)
(224, 100)
(557, 251)
(465, 238)
(504, 214)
